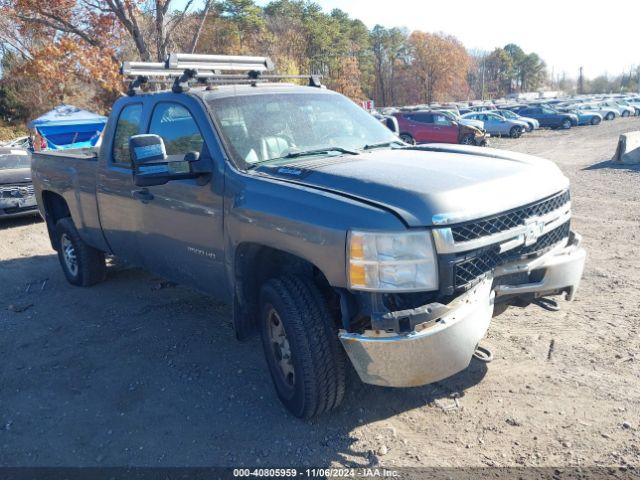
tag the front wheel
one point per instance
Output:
(468, 139)
(625, 114)
(595, 121)
(300, 339)
(566, 124)
(515, 132)
(82, 264)
(406, 138)
(610, 116)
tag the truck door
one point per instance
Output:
(182, 238)
(120, 212)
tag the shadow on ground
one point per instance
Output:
(13, 222)
(136, 371)
(610, 164)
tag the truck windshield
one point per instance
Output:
(284, 126)
(11, 161)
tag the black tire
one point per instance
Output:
(515, 132)
(566, 124)
(595, 120)
(406, 138)
(610, 116)
(316, 357)
(468, 139)
(90, 267)
(625, 114)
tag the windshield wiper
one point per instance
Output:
(320, 151)
(381, 144)
(304, 153)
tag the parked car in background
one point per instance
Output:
(496, 124)
(585, 117)
(634, 105)
(388, 121)
(625, 110)
(549, 117)
(435, 127)
(464, 121)
(21, 142)
(532, 123)
(16, 190)
(607, 113)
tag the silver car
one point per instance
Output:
(498, 125)
(509, 115)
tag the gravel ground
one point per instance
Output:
(136, 371)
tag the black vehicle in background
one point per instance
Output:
(16, 190)
(548, 117)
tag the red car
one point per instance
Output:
(435, 127)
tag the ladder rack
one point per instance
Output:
(185, 68)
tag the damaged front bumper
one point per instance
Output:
(14, 207)
(444, 345)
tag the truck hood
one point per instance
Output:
(15, 175)
(432, 184)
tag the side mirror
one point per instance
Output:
(152, 166)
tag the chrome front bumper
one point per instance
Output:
(444, 346)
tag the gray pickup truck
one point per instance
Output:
(328, 235)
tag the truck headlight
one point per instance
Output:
(392, 262)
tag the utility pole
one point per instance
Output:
(483, 60)
(581, 82)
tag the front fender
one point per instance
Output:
(310, 223)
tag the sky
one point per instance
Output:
(567, 34)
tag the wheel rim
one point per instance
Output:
(280, 348)
(567, 123)
(69, 254)
(467, 141)
(406, 139)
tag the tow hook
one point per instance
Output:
(547, 303)
(483, 354)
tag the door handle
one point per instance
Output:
(144, 195)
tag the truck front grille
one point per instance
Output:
(505, 221)
(468, 267)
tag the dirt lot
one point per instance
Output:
(138, 372)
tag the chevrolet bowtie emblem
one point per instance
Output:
(534, 229)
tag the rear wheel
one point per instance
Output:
(300, 339)
(595, 121)
(406, 138)
(566, 124)
(515, 132)
(82, 264)
(610, 116)
(625, 114)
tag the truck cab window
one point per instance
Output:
(177, 128)
(127, 126)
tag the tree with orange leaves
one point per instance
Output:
(440, 63)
